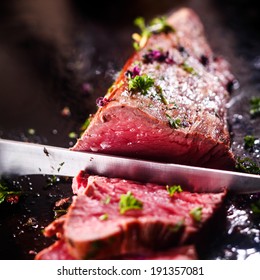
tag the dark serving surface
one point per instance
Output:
(64, 54)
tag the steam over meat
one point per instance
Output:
(182, 118)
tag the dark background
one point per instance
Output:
(64, 54)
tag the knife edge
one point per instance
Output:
(22, 158)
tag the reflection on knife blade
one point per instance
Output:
(25, 159)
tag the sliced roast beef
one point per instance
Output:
(59, 251)
(168, 103)
(115, 217)
(179, 253)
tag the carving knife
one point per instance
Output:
(20, 158)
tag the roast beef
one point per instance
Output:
(179, 253)
(59, 251)
(168, 103)
(95, 226)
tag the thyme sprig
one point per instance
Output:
(155, 26)
(174, 123)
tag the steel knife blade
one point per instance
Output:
(20, 158)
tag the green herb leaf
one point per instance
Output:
(73, 135)
(255, 106)
(103, 217)
(8, 195)
(155, 26)
(174, 123)
(140, 22)
(161, 95)
(163, 99)
(86, 124)
(247, 165)
(107, 200)
(159, 25)
(59, 212)
(173, 189)
(196, 213)
(140, 83)
(249, 141)
(256, 207)
(188, 68)
(2, 197)
(52, 180)
(129, 202)
(3, 187)
(178, 226)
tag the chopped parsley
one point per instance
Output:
(73, 135)
(143, 83)
(86, 124)
(249, 141)
(196, 214)
(255, 207)
(178, 226)
(140, 83)
(255, 106)
(173, 189)
(188, 68)
(174, 123)
(129, 202)
(247, 165)
(155, 26)
(8, 195)
(103, 217)
(159, 25)
(52, 180)
(163, 98)
(159, 91)
(107, 200)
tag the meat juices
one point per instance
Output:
(182, 116)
